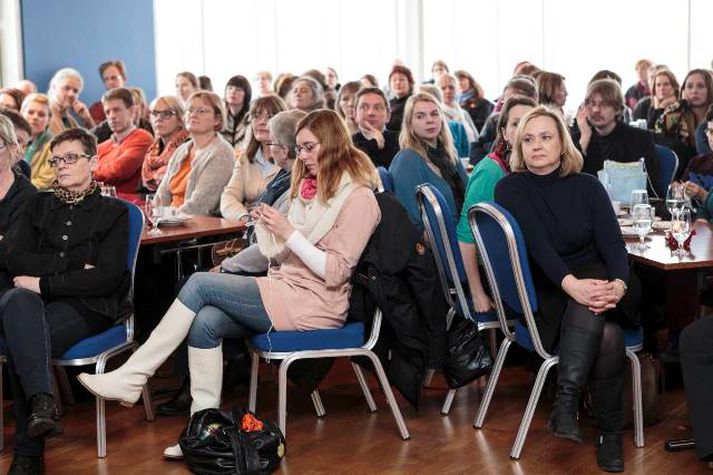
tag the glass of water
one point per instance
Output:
(643, 217)
(681, 227)
(638, 197)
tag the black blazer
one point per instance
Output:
(383, 157)
(54, 240)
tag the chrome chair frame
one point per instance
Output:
(101, 359)
(549, 360)
(287, 358)
(445, 270)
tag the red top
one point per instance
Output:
(120, 163)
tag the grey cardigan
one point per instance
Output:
(210, 172)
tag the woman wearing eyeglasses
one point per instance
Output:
(200, 168)
(167, 121)
(15, 189)
(332, 215)
(64, 272)
(254, 167)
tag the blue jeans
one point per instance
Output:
(225, 305)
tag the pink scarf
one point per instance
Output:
(308, 188)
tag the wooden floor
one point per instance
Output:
(350, 440)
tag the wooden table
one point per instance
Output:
(680, 274)
(197, 226)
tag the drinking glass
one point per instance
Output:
(153, 210)
(675, 197)
(681, 227)
(638, 197)
(643, 217)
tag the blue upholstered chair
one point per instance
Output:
(501, 245)
(441, 230)
(668, 166)
(290, 346)
(387, 181)
(118, 339)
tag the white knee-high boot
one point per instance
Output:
(206, 370)
(125, 383)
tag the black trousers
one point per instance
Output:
(33, 332)
(696, 348)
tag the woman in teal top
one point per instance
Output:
(427, 156)
(481, 187)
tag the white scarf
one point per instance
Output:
(312, 218)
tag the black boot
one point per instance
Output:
(609, 406)
(26, 465)
(180, 403)
(578, 348)
(44, 417)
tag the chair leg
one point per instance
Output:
(531, 406)
(386, 387)
(148, 403)
(101, 415)
(282, 395)
(364, 387)
(493, 342)
(2, 417)
(254, 368)
(492, 382)
(636, 393)
(446, 409)
(63, 382)
(56, 393)
(317, 403)
(428, 377)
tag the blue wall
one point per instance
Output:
(83, 34)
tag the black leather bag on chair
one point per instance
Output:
(217, 443)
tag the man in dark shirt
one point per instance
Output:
(603, 136)
(373, 138)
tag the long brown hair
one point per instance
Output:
(337, 155)
(272, 103)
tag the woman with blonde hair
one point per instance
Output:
(167, 119)
(332, 215)
(427, 156)
(580, 271)
(36, 111)
(254, 167)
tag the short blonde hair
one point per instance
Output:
(214, 101)
(173, 104)
(571, 161)
(37, 97)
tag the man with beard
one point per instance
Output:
(604, 136)
(121, 157)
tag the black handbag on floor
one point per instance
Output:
(468, 357)
(217, 443)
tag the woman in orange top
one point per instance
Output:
(200, 168)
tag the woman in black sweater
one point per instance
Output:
(65, 261)
(580, 272)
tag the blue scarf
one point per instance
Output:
(464, 96)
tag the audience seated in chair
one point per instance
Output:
(373, 138)
(168, 121)
(401, 86)
(64, 90)
(121, 157)
(113, 75)
(603, 135)
(200, 168)
(254, 167)
(65, 256)
(23, 132)
(36, 110)
(427, 156)
(332, 215)
(238, 95)
(481, 187)
(580, 273)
